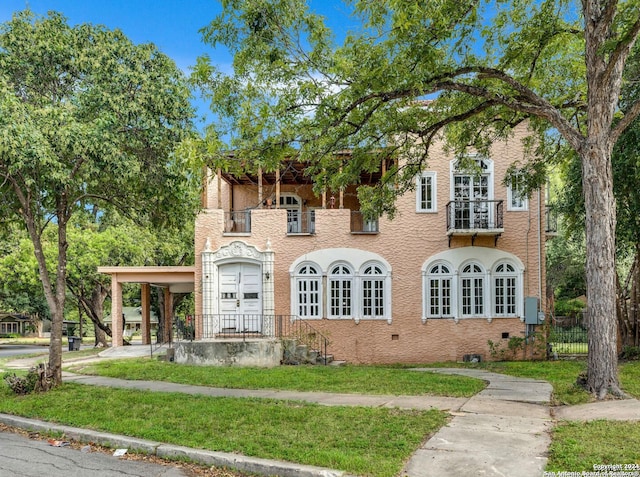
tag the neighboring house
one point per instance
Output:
(133, 320)
(462, 263)
(15, 324)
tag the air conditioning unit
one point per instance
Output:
(472, 358)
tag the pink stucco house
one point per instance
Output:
(461, 264)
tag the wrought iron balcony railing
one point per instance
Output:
(475, 215)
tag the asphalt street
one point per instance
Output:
(7, 350)
(24, 457)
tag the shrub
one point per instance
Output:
(568, 307)
(37, 379)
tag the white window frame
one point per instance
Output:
(422, 189)
(342, 279)
(502, 288)
(516, 200)
(428, 276)
(475, 292)
(380, 283)
(310, 281)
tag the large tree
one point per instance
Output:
(86, 117)
(485, 66)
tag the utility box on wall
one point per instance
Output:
(531, 314)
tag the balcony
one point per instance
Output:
(475, 217)
(237, 222)
(301, 223)
(360, 224)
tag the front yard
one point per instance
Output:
(362, 441)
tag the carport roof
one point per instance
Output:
(177, 279)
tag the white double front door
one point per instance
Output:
(240, 298)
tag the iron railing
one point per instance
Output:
(252, 326)
(475, 215)
(568, 335)
(301, 222)
(362, 224)
(237, 221)
(303, 334)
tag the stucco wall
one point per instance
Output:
(406, 243)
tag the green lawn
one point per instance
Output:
(578, 446)
(338, 379)
(362, 441)
(359, 440)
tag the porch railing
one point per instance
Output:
(362, 224)
(237, 221)
(301, 222)
(248, 326)
(475, 215)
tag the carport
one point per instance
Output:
(170, 279)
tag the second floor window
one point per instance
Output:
(516, 193)
(426, 192)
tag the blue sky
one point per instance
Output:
(171, 24)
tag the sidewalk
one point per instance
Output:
(503, 430)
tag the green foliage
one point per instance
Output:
(88, 121)
(564, 307)
(21, 384)
(20, 288)
(630, 352)
(37, 379)
(510, 350)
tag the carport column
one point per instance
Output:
(168, 316)
(145, 295)
(116, 311)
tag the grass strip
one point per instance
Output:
(359, 440)
(578, 446)
(338, 379)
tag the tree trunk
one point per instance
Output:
(602, 372)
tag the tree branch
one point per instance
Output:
(631, 114)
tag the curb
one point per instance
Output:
(239, 462)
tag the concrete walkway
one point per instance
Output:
(502, 431)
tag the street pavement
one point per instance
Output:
(24, 457)
(501, 431)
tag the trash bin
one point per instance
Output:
(74, 343)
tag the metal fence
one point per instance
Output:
(252, 326)
(568, 336)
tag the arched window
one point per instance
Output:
(340, 291)
(438, 282)
(505, 289)
(472, 290)
(308, 280)
(373, 287)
